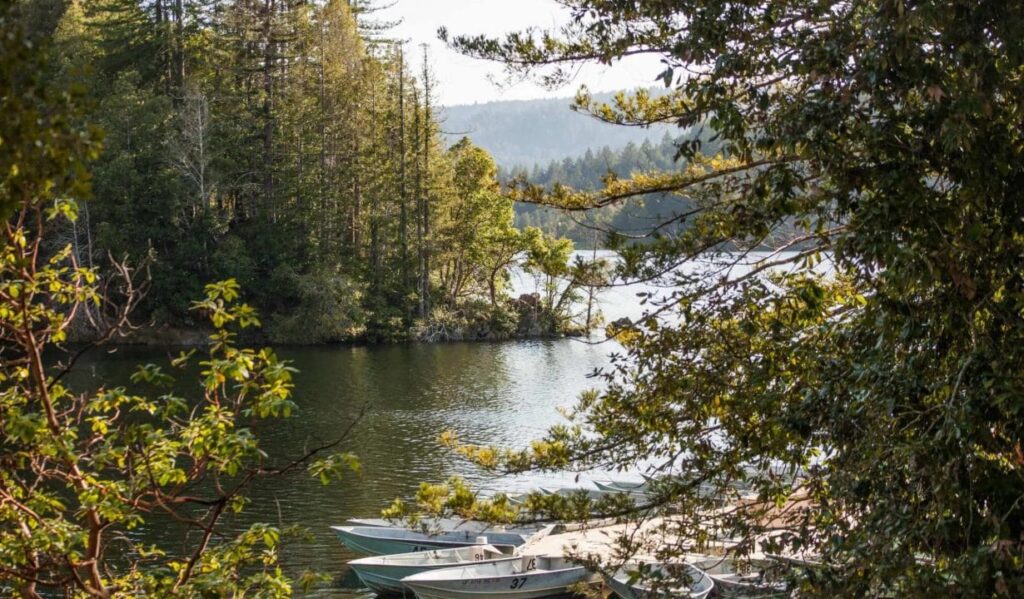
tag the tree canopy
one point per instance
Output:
(878, 395)
(292, 147)
(82, 469)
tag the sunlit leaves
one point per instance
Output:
(152, 374)
(451, 499)
(115, 456)
(221, 307)
(334, 467)
(877, 147)
(245, 565)
(702, 175)
(635, 109)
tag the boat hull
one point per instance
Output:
(528, 584)
(732, 590)
(445, 525)
(383, 546)
(365, 541)
(384, 575)
(383, 580)
(700, 588)
(758, 581)
(620, 486)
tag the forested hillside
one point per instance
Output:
(527, 132)
(285, 145)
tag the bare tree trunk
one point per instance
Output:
(425, 248)
(420, 240)
(88, 234)
(375, 199)
(357, 197)
(402, 192)
(179, 46)
(590, 288)
(268, 105)
(492, 286)
(323, 222)
(189, 150)
(164, 65)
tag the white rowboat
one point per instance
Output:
(698, 584)
(636, 496)
(529, 577)
(444, 525)
(375, 540)
(744, 578)
(384, 574)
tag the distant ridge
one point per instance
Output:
(529, 132)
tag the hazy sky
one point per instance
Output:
(463, 80)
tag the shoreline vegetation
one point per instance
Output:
(519, 319)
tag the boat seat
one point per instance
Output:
(553, 562)
(529, 562)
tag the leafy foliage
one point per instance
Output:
(865, 414)
(81, 469)
(634, 219)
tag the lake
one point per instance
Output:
(504, 394)
(488, 393)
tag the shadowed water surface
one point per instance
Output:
(488, 393)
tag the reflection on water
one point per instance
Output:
(503, 394)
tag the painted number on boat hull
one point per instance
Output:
(518, 583)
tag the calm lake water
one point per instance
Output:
(504, 394)
(488, 393)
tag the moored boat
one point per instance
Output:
(377, 522)
(744, 578)
(647, 489)
(590, 494)
(376, 540)
(696, 583)
(529, 577)
(636, 496)
(621, 486)
(809, 562)
(384, 574)
(445, 525)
